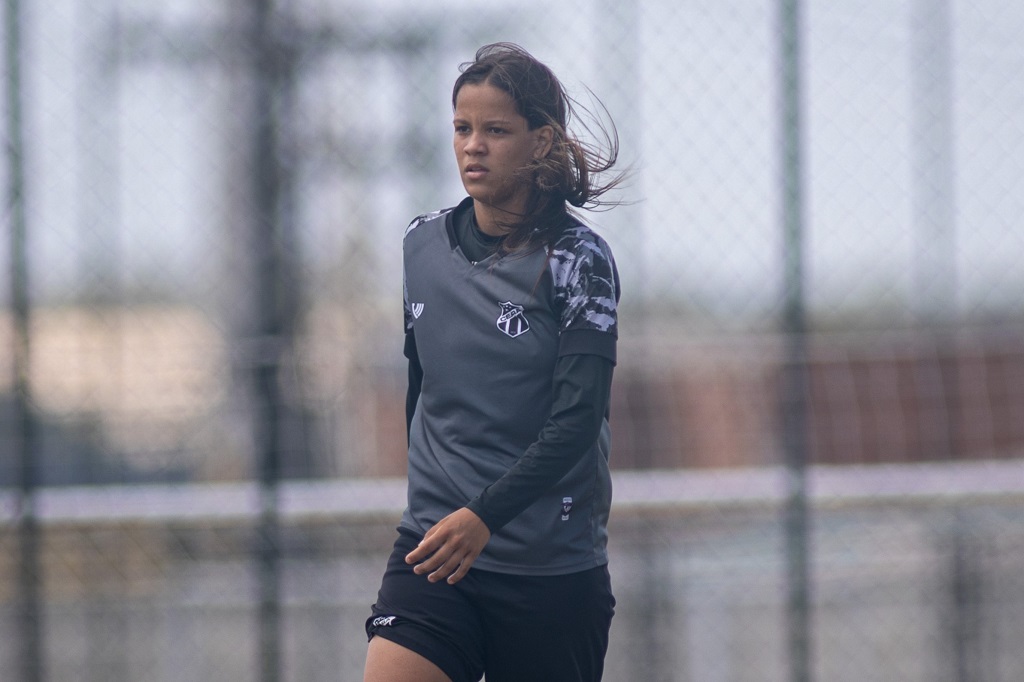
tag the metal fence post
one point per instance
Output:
(934, 184)
(29, 584)
(794, 385)
(274, 303)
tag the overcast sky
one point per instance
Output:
(129, 172)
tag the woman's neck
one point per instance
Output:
(491, 220)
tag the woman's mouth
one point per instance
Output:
(474, 171)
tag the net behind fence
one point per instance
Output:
(916, 576)
(202, 414)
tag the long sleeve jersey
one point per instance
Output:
(510, 364)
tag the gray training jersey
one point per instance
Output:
(488, 335)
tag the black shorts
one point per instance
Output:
(513, 627)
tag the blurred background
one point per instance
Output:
(818, 414)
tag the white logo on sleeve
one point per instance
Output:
(417, 310)
(512, 321)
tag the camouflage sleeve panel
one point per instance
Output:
(585, 281)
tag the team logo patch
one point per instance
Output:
(566, 508)
(511, 320)
(384, 621)
(417, 310)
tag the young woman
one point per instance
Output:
(500, 566)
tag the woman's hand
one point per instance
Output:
(450, 547)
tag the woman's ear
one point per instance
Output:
(545, 136)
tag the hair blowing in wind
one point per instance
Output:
(574, 173)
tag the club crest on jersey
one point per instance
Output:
(511, 320)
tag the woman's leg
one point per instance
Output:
(390, 662)
(548, 629)
(421, 631)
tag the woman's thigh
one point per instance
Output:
(551, 628)
(435, 622)
(387, 661)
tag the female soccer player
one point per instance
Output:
(500, 566)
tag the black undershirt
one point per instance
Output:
(581, 387)
(476, 245)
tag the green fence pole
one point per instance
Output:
(794, 370)
(29, 577)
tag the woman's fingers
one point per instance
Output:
(449, 549)
(448, 570)
(428, 545)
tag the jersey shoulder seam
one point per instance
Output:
(426, 218)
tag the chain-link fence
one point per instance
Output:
(817, 411)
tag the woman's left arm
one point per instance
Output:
(582, 384)
(581, 392)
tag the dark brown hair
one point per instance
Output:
(568, 175)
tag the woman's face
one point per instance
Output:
(493, 144)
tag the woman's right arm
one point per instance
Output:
(412, 394)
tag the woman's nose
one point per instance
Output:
(474, 143)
